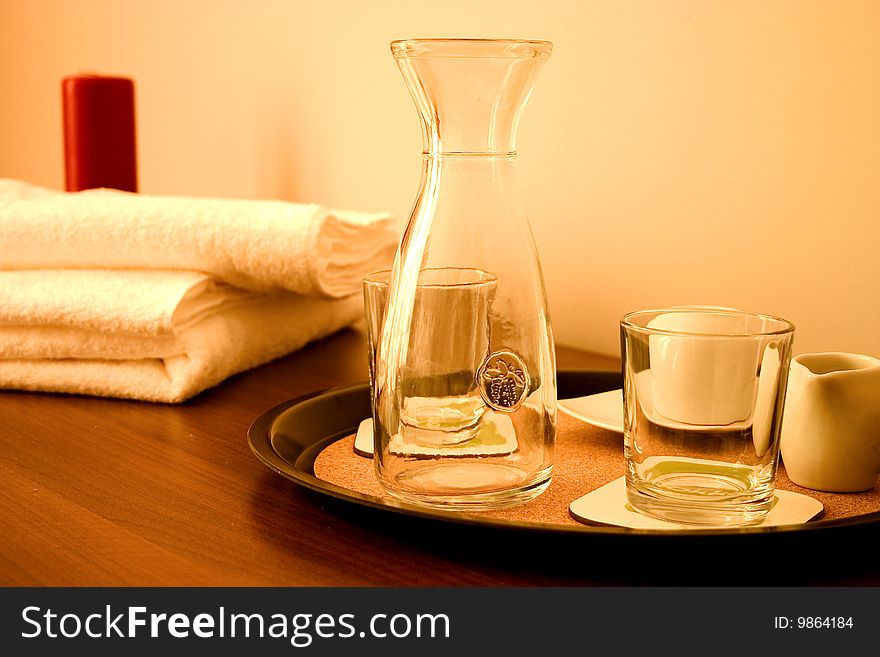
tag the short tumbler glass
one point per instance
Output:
(442, 404)
(451, 450)
(704, 391)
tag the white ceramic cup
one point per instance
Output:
(695, 360)
(831, 424)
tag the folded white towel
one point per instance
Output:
(130, 302)
(158, 298)
(255, 245)
(151, 335)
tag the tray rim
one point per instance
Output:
(260, 443)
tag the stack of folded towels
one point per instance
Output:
(158, 298)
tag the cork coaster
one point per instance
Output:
(587, 458)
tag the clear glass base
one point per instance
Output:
(470, 486)
(441, 421)
(700, 499)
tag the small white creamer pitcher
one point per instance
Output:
(831, 424)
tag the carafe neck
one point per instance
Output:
(470, 93)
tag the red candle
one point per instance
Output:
(99, 133)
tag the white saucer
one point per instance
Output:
(603, 410)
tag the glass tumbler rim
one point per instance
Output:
(464, 48)
(630, 322)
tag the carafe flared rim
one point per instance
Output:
(471, 48)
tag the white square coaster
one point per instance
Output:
(608, 505)
(363, 442)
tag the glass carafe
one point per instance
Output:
(464, 392)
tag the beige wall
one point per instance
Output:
(700, 152)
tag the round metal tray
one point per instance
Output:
(289, 437)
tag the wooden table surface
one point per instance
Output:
(105, 492)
